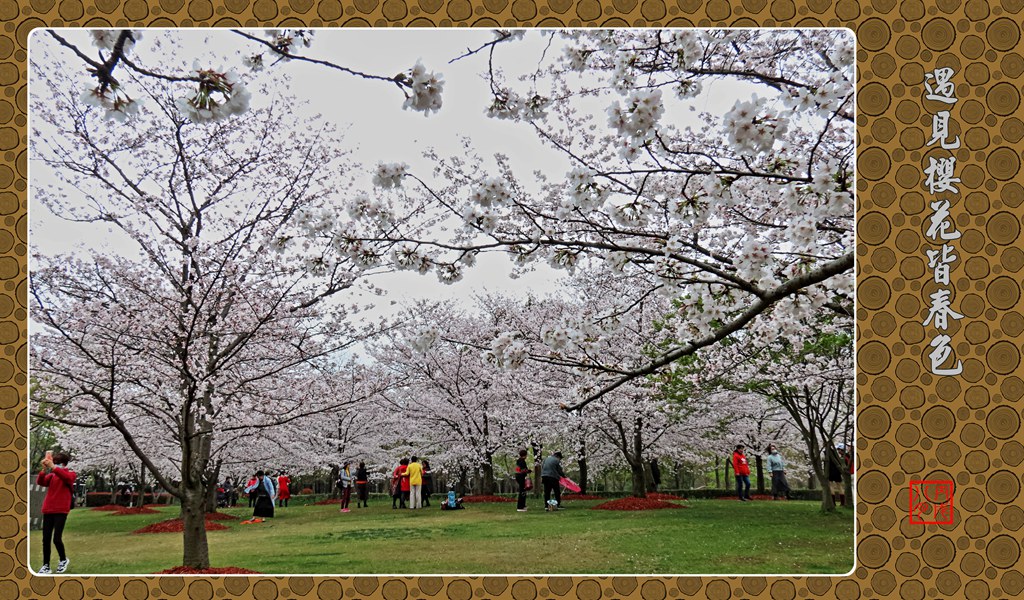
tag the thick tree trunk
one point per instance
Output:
(487, 475)
(211, 491)
(193, 513)
(335, 473)
(639, 479)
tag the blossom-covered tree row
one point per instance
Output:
(706, 248)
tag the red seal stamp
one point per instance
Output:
(931, 502)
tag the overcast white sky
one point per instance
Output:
(377, 127)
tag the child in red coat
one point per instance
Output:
(59, 482)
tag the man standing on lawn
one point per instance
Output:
(550, 473)
(415, 473)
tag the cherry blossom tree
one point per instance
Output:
(743, 213)
(745, 218)
(810, 378)
(226, 321)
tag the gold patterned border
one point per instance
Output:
(912, 425)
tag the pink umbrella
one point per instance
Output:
(569, 484)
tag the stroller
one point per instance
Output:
(222, 497)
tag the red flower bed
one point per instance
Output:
(635, 504)
(660, 496)
(219, 516)
(209, 571)
(487, 499)
(328, 501)
(581, 497)
(175, 526)
(109, 507)
(306, 491)
(138, 510)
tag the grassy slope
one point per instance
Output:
(713, 536)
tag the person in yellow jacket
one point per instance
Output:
(415, 474)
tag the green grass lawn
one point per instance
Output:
(712, 536)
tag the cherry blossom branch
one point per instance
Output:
(757, 307)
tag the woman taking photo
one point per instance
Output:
(58, 481)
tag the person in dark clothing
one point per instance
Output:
(655, 474)
(522, 472)
(428, 483)
(362, 485)
(777, 470)
(265, 496)
(835, 477)
(59, 482)
(551, 472)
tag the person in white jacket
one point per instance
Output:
(265, 497)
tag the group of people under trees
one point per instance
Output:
(777, 472)
(411, 484)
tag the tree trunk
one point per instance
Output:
(728, 463)
(335, 473)
(718, 475)
(582, 462)
(487, 476)
(211, 492)
(142, 483)
(193, 513)
(537, 487)
(639, 479)
(827, 504)
(760, 473)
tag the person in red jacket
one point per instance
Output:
(399, 484)
(741, 468)
(59, 482)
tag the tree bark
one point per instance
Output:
(487, 475)
(211, 491)
(193, 514)
(639, 479)
(582, 462)
(760, 473)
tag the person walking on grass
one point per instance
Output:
(428, 482)
(741, 468)
(58, 481)
(414, 472)
(398, 480)
(283, 489)
(522, 473)
(551, 472)
(362, 483)
(345, 484)
(263, 508)
(777, 471)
